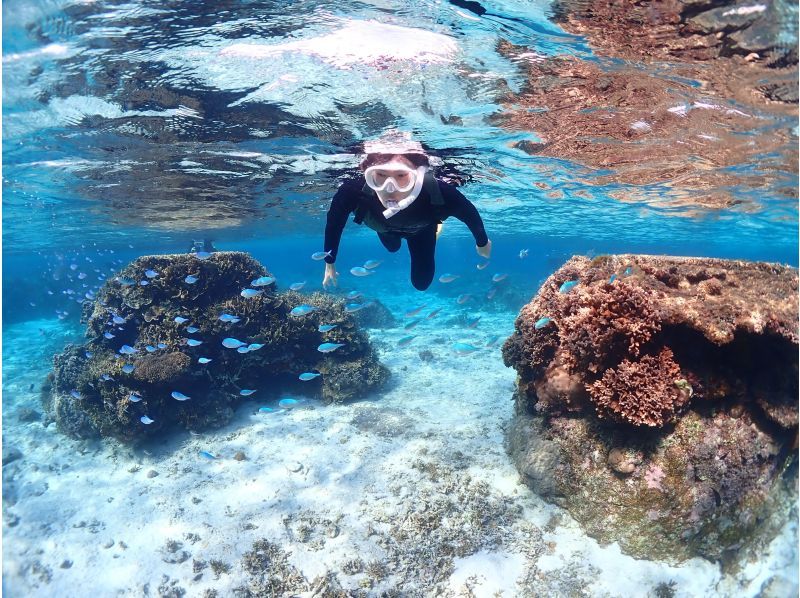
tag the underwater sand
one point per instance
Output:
(410, 490)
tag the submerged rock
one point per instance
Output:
(659, 406)
(141, 359)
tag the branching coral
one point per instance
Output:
(647, 392)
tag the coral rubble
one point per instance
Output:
(659, 402)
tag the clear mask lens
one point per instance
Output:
(390, 177)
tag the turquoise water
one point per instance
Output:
(133, 128)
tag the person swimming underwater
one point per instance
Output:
(398, 197)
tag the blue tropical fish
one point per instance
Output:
(193, 342)
(181, 320)
(204, 360)
(127, 368)
(302, 310)
(567, 286)
(146, 420)
(232, 343)
(190, 279)
(246, 392)
(262, 281)
(207, 455)
(541, 323)
(150, 273)
(306, 376)
(249, 293)
(326, 327)
(179, 396)
(328, 347)
(464, 348)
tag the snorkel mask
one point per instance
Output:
(394, 177)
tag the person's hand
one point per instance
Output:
(331, 276)
(484, 251)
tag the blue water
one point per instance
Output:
(130, 129)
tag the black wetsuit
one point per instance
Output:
(417, 223)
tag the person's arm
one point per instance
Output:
(460, 207)
(343, 203)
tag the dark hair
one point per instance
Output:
(372, 159)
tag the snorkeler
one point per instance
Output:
(399, 198)
(199, 245)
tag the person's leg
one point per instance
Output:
(422, 247)
(390, 241)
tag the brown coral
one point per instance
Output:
(648, 392)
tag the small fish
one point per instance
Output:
(126, 282)
(328, 347)
(192, 329)
(150, 348)
(406, 339)
(483, 265)
(262, 281)
(248, 293)
(541, 323)
(254, 346)
(628, 271)
(296, 286)
(150, 273)
(181, 320)
(73, 266)
(326, 327)
(492, 292)
(302, 310)
(144, 283)
(498, 277)
(320, 255)
(204, 360)
(232, 343)
(106, 377)
(567, 286)
(179, 396)
(127, 350)
(193, 342)
(523, 253)
(288, 403)
(118, 320)
(242, 349)
(190, 279)
(207, 455)
(306, 376)
(360, 271)
(372, 264)
(146, 420)
(202, 255)
(463, 298)
(76, 394)
(134, 398)
(448, 277)
(412, 324)
(492, 340)
(89, 354)
(354, 307)
(161, 345)
(353, 295)
(464, 348)
(127, 368)
(108, 335)
(433, 313)
(246, 392)
(228, 318)
(415, 311)
(473, 323)
(265, 409)
(612, 278)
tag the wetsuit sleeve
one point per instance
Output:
(344, 202)
(459, 206)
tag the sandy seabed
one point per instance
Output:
(409, 492)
